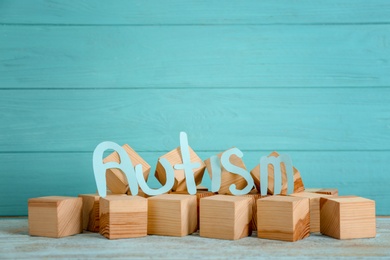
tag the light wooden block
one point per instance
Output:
(55, 216)
(174, 157)
(225, 217)
(348, 217)
(298, 183)
(314, 199)
(228, 178)
(333, 192)
(115, 178)
(172, 215)
(123, 216)
(283, 218)
(90, 212)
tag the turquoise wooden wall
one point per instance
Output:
(307, 78)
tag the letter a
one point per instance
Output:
(99, 168)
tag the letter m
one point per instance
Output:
(276, 161)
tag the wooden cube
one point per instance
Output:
(283, 218)
(348, 217)
(333, 192)
(298, 183)
(174, 157)
(314, 208)
(228, 178)
(55, 216)
(90, 212)
(225, 217)
(116, 179)
(172, 215)
(123, 216)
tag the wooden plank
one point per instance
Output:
(70, 174)
(150, 120)
(194, 57)
(199, 12)
(13, 235)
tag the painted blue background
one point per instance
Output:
(307, 78)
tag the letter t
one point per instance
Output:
(187, 165)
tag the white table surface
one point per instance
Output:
(15, 243)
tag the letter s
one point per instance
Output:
(237, 170)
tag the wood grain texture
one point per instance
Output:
(66, 120)
(225, 217)
(172, 215)
(344, 170)
(196, 57)
(348, 217)
(123, 216)
(200, 12)
(55, 216)
(283, 218)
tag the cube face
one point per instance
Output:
(90, 212)
(314, 199)
(357, 219)
(225, 217)
(116, 179)
(330, 218)
(283, 218)
(172, 215)
(298, 183)
(228, 178)
(348, 217)
(123, 217)
(174, 157)
(42, 219)
(55, 216)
